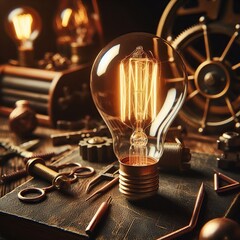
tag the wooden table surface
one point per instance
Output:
(195, 142)
(186, 186)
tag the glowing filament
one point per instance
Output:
(81, 18)
(138, 99)
(138, 93)
(23, 25)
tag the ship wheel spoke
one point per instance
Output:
(206, 40)
(172, 80)
(196, 54)
(230, 107)
(189, 68)
(234, 67)
(230, 43)
(192, 95)
(205, 114)
(190, 77)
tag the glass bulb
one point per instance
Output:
(23, 25)
(138, 84)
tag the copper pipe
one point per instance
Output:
(193, 220)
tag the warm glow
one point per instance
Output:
(81, 18)
(138, 90)
(138, 99)
(22, 25)
(66, 16)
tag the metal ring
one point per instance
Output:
(83, 172)
(61, 181)
(72, 178)
(67, 165)
(22, 195)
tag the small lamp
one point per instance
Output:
(23, 26)
(75, 28)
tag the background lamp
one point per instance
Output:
(23, 26)
(138, 83)
(75, 28)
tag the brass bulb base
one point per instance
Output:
(138, 182)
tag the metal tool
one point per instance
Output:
(229, 143)
(110, 172)
(98, 216)
(97, 149)
(75, 136)
(193, 221)
(232, 184)
(15, 175)
(13, 150)
(59, 180)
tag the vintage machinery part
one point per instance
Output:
(97, 149)
(217, 110)
(213, 99)
(53, 95)
(229, 143)
(182, 14)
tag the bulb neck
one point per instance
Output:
(81, 52)
(138, 148)
(25, 56)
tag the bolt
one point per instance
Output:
(6, 178)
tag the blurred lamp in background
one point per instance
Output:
(75, 24)
(24, 25)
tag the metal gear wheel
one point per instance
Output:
(210, 50)
(97, 149)
(213, 102)
(182, 14)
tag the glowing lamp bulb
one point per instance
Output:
(74, 27)
(23, 26)
(138, 84)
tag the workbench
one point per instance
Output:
(65, 216)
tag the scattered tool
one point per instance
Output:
(97, 149)
(193, 220)
(15, 175)
(225, 227)
(61, 181)
(98, 216)
(233, 184)
(21, 150)
(229, 143)
(110, 172)
(76, 136)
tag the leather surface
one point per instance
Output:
(66, 215)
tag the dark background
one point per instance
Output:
(117, 17)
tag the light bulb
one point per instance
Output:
(75, 28)
(23, 26)
(138, 84)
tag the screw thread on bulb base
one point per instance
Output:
(138, 182)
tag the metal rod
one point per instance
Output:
(193, 220)
(98, 216)
(36, 167)
(104, 188)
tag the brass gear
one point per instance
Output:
(213, 101)
(97, 149)
(179, 25)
